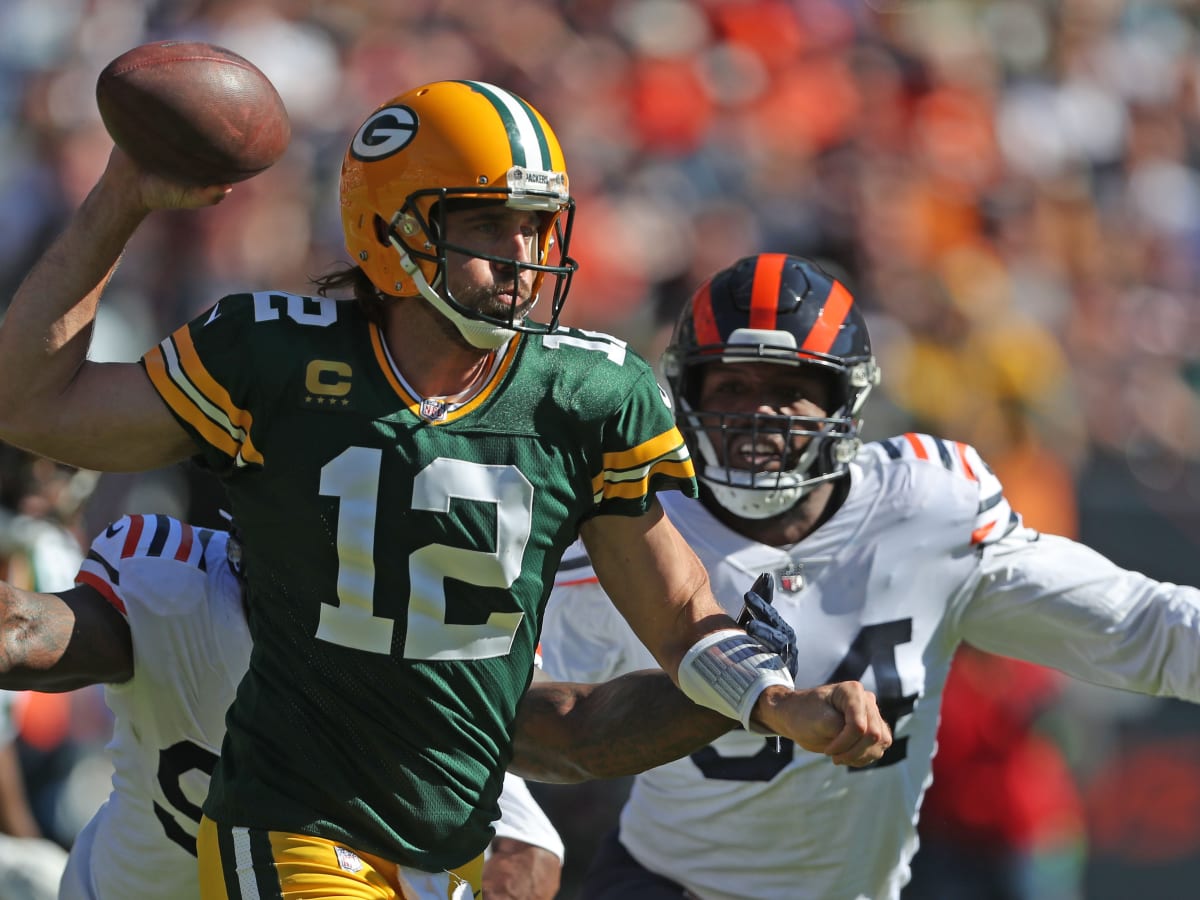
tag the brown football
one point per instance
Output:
(193, 112)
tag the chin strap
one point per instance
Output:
(477, 333)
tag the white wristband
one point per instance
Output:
(727, 670)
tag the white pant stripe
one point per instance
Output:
(244, 864)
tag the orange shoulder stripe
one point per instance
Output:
(183, 406)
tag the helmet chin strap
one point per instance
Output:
(477, 333)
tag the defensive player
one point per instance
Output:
(408, 471)
(889, 555)
(157, 615)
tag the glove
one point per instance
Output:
(763, 622)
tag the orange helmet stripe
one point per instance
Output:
(703, 319)
(764, 298)
(829, 323)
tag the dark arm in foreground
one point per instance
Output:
(568, 732)
(61, 642)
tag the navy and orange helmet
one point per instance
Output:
(783, 309)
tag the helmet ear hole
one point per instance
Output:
(381, 230)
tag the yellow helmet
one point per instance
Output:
(453, 140)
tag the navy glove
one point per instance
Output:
(763, 622)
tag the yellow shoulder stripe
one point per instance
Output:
(643, 453)
(196, 397)
(634, 488)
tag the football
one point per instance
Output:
(193, 112)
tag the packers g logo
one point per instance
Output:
(386, 132)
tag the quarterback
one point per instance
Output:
(889, 555)
(408, 467)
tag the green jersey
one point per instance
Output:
(399, 552)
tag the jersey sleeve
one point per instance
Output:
(1052, 601)
(584, 637)
(212, 379)
(521, 819)
(994, 517)
(140, 537)
(101, 567)
(642, 452)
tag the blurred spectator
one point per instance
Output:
(30, 865)
(16, 817)
(56, 736)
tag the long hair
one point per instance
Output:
(346, 277)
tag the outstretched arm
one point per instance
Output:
(568, 732)
(60, 642)
(525, 857)
(662, 590)
(53, 401)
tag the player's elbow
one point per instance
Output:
(548, 768)
(19, 631)
(548, 733)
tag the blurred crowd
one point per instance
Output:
(1010, 187)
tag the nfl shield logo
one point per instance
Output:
(348, 860)
(791, 577)
(432, 409)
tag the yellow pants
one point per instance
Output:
(245, 863)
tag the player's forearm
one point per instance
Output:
(45, 333)
(519, 871)
(569, 732)
(33, 638)
(47, 644)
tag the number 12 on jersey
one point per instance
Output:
(353, 477)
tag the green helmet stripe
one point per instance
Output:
(526, 137)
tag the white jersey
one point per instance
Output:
(191, 646)
(925, 553)
(523, 820)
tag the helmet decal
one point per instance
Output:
(530, 149)
(764, 295)
(387, 131)
(704, 321)
(829, 323)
